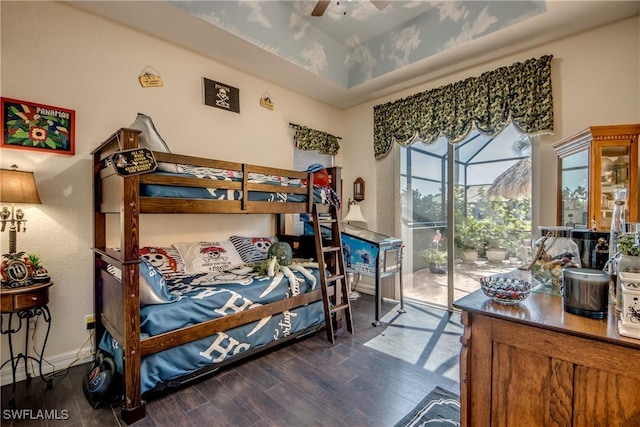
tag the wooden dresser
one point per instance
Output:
(532, 364)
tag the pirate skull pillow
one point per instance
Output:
(208, 257)
(165, 260)
(253, 249)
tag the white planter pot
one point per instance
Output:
(629, 264)
(469, 255)
(496, 255)
(626, 264)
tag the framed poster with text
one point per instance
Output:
(30, 126)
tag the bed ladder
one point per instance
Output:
(333, 277)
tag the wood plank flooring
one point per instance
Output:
(372, 378)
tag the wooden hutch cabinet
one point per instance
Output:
(533, 364)
(592, 164)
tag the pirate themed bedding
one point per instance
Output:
(192, 298)
(320, 194)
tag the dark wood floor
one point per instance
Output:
(372, 378)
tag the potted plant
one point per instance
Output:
(629, 253)
(434, 258)
(467, 238)
(496, 242)
(40, 273)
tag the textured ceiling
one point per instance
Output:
(355, 53)
(353, 41)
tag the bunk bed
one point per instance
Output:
(122, 321)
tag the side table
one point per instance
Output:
(25, 303)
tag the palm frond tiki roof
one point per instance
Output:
(513, 183)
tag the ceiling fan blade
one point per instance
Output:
(381, 4)
(321, 6)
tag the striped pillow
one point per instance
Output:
(253, 249)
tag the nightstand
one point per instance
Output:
(24, 303)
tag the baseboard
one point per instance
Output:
(59, 362)
(366, 288)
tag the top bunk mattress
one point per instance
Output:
(288, 189)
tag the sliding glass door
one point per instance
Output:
(466, 212)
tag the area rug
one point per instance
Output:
(440, 408)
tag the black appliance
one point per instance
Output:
(593, 247)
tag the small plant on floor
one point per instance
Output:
(434, 258)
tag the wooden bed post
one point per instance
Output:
(133, 407)
(100, 243)
(117, 303)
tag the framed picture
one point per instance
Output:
(30, 126)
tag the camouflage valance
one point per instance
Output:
(520, 93)
(311, 139)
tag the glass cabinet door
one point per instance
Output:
(614, 174)
(574, 181)
(592, 165)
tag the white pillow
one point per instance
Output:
(208, 257)
(149, 138)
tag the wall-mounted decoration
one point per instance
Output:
(358, 189)
(222, 96)
(150, 77)
(30, 126)
(266, 101)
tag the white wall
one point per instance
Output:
(595, 78)
(58, 55)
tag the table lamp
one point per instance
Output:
(16, 187)
(355, 214)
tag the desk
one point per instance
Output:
(374, 255)
(25, 303)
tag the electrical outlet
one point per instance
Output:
(90, 321)
(32, 324)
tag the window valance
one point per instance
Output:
(311, 139)
(520, 93)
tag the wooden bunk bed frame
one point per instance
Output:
(117, 302)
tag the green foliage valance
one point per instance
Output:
(311, 139)
(520, 93)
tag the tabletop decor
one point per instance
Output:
(505, 289)
(629, 323)
(16, 187)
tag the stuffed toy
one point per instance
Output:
(321, 180)
(320, 175)
(280, 261)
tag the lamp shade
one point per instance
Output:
(18, 187)
(355, 214)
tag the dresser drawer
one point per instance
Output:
(19, 299)
(30, 300)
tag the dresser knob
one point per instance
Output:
(34, 298)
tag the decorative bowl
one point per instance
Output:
(505, 290)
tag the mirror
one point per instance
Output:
(358, 189)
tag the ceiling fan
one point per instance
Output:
(322, 5)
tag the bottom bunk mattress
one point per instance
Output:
(201, 297)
